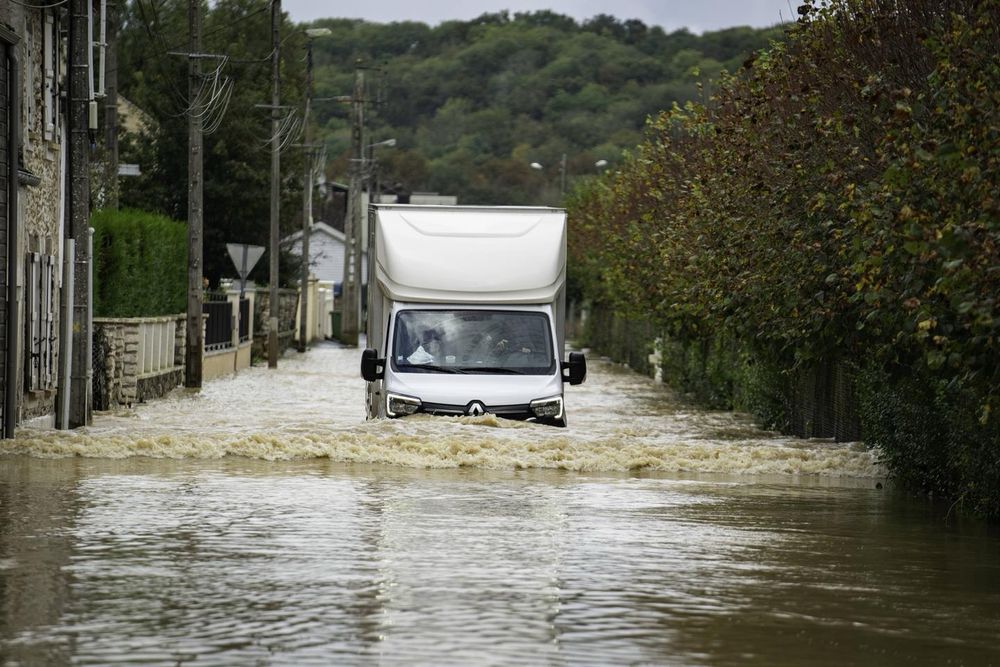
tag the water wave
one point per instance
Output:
(481, 442)
(311, 408)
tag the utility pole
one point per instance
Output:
(272, 329)
(306, 229)
(306, 203)
(195, 297)
(79, 209)
(352, 226)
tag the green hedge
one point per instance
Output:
(140, 264)
(833, 202)
(931, 434)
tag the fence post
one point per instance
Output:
(252, 296)
(157, 351)
(234, 309)
(171, 342)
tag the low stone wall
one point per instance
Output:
(288, 301)
(140, 358)
(158, 385)
(118, 379)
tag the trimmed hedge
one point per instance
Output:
(932, 437)
(140, 264)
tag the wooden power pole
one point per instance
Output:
(306, 208)
(80, 408)
(272, 329)
(351, 289)
(195, 297)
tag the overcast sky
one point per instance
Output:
(696, 15)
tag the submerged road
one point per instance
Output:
(263, 521)
(313, 406)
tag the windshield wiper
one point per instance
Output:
(492, 369)
(436, 368)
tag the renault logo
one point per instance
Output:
(476, 409)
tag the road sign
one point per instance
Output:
(244, 257)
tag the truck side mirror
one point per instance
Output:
(372, 368)
(575, 370)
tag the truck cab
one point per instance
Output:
(465, 313)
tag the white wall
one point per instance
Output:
(326, 254)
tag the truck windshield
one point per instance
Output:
(473, 341)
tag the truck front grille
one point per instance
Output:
(520, 411)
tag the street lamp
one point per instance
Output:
(311, 34)
(373, 184)
(562, 176)
(562, 173)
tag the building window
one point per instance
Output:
(28, 101)
(50, 95)
(40, 337)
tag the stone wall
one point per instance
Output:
(117, 381)
(120, 379)
(40, 176)
(161, 384)
(288, 300)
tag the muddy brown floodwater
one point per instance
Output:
(263, 521)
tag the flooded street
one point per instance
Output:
(263, 521)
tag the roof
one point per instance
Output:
(317, 227)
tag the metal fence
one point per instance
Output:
(219, 328)
(816, 401)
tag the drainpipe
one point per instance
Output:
(66, 335)
(11, 361)
(103, 46)
(90, 318)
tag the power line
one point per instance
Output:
(180, 45)
(43, 6)
(157, 36)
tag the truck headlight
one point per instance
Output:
(397, 405)
(548, 407)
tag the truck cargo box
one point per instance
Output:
(466, 254)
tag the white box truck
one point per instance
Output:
(466, 312)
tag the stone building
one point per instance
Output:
(33, 139)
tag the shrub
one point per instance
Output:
(929, 433)
(140, 264)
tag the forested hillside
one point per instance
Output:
(471, 104)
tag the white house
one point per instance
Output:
(326, 253)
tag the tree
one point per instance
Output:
(514, 88)
(236, 190)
